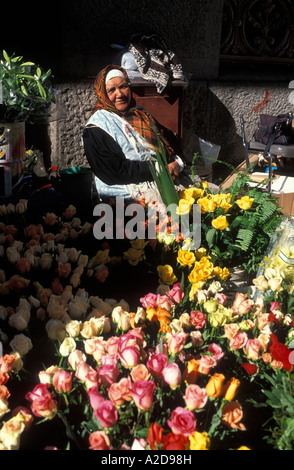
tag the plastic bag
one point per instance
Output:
(281, 250)
(193, 144)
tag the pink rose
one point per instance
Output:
(216, 351)
(112, 345)
(176, 294)
(62, 381)
(239, 340)
(182, 421)
(252, 348)
(107, 414)
(142, 393)
(129, 356)
(156, 364)
(95, 398)
(108, 374)
(206, 363)
(164, 301)
(150, 300)
(195, 397)
(43, 404)
(221, 298)
(177, 342)
(172, 375)
(198, 319)
(99, 441)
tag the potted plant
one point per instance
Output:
(25, 97)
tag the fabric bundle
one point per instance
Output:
(155, 61)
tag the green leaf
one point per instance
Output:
(6, 57)
(210, 235)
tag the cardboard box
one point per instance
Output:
(282, 186)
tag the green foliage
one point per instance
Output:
(26, 90)
(245, 240)
(280, 398)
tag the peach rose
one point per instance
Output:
(252, 348)
(239, 340)
(62, 381)
(232, 414)
(140, 372)
(121, 391)
(177, 342)
(195, 397)
(99, 441)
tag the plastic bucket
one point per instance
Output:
(12, 153)
(75, 185)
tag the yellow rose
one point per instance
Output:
(166, 274)
(197, 193)
(199, 441)
(200, 252)
(139, 243)
(196, 286)
(207, 204)
(231, 389)
(201, 271)
(185, 205)
(225, 206)
(245, 202)
(220, 223)
(187, 193)
(186, 258)
(134, 256)
(224, 274)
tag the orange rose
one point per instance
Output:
(214, 386)
(191, 373)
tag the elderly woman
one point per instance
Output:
(120, 138)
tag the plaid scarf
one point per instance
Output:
(139, 119)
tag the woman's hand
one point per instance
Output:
(174, 169)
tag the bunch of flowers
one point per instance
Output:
(236, 226)
(173, 373)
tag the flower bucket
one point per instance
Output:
(75, 185)
(12, 153)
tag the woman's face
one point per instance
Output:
(119, 93)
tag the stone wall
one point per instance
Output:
(211, 110)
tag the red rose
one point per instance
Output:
(251, 369)
(176, 442)
(280, 352)
(155, 436)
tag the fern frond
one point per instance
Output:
(268, 210)
(244, 239)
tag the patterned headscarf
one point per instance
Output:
(142, 121)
